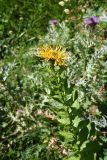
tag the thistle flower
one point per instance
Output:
(92, 21)
(54, 22)
(56, 54)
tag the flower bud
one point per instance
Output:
(61, 3)
(10, 32)
(67, 11)
(66, 21)
(21, 18)
(83, 10)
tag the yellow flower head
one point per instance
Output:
(56, 53)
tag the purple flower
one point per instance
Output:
(54, 22)
(92, 21)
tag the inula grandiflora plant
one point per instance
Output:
(53, 95)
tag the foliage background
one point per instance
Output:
(42, 112)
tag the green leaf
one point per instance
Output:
(75, 94)
(68, 136)
(83, 135)
(76, 104)
(76, 121)
(84, 145)
(64, 121)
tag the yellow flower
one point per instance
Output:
(56, 53)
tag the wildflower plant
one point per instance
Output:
(78, 91)
(53, 96)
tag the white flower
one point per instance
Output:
(61, 3)
(67, 11)
(10, 32)
(66, 21)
